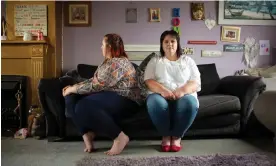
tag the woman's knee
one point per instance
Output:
(70, 104)
(70, 99)
(156, 102)
(82, 106)
(187, 102)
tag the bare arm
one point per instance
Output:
(190, 87)
(154, 86)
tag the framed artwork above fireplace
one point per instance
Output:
(77, 13)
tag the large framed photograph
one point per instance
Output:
(230, 34)
(234, 12)
(77, 13)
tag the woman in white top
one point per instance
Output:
(173, 81)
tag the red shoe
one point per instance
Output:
(175, 148)
(165, 148)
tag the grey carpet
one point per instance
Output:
(252, 159)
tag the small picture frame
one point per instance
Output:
(198, 11)
(230, 34)
(154, 14)
(187, 50)
(77, 13)
(131, 15)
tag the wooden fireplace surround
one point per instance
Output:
(27, 59)
(34, 59)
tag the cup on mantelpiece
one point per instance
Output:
(3, 37)
(27, 36)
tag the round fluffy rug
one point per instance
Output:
(253, 159)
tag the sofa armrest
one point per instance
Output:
(66, 80)
(52, 102)
(246, 88)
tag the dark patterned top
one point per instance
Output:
(116, 74)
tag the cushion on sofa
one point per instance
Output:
(71, 77)
(86, 71)
(140, 73)
(211, 105)
(209, 79)
(217, 121)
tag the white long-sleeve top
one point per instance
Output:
(173, 74)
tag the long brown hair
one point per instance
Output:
(117, 45)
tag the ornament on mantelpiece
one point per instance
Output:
(3, 28)
(40, 35)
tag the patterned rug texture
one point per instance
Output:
(252, 159)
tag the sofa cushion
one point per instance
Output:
(210, 105)
(209, 79)
(71, 77)
(86, 71)
(141, 71)
(217, 121)
(135, 65)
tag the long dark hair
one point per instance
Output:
(117, 45)
(173, 34)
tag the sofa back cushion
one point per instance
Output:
(86, 71)
(141, 72)
(209, 78)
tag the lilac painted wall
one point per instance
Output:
(82, 45)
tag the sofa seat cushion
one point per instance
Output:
(216, 121)
(210, 105)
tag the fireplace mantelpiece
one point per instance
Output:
(140, 52)
(28, 58)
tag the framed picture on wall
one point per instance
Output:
(230, 34)
(154, 14)
(77, 13)
(131, 15)
(235, 12)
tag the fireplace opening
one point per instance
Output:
(14, 98)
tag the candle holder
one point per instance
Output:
(3, 28)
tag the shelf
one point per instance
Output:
(22, 42)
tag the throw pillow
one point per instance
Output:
(86, 71)
(141, 72)
(209, 79)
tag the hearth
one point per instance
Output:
(14, 103)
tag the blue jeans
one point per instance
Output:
(99, 112)
(172, 117)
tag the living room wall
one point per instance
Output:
(82, 44)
